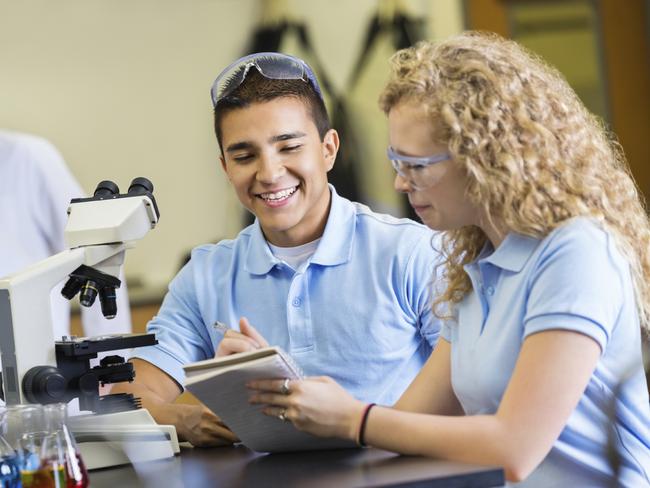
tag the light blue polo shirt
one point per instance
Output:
(359, 311)
(574, 279)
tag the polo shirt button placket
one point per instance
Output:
(299, 314)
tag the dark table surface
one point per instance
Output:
(241, 467)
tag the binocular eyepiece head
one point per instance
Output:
(91, 283)
(109, 189)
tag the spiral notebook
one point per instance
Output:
(220, 384)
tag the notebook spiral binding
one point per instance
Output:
(293, 365)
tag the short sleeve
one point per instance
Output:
(446, 332)
(179, 327)
(578, 283)
(420, 277)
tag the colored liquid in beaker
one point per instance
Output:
(50, 477)
(77, 476)
(9, 472)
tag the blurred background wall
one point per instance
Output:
(121, 88)
(603, 49)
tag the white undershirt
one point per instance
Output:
(297, 256)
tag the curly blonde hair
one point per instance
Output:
(534, 155)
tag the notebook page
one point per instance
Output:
(224, 361)
(197, 375)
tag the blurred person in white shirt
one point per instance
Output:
(36, 187)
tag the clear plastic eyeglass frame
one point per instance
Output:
(275, 66)
(416, 170)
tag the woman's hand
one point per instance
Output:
(317, 405)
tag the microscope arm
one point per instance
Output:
(99, 230)
(26, 337)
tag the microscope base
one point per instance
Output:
(115, 439)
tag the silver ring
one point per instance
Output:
(284, 389)
(283, 415)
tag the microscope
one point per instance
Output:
(36, 369)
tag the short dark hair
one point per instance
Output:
(257, 88)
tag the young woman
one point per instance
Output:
(547, 248)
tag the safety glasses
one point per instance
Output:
(276, 66)
(416, 170)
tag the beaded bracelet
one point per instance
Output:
(362, 426)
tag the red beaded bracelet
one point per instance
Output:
(362, 426)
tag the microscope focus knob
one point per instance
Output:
(44, 384)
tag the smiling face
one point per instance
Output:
(278, 166)
(442, 204)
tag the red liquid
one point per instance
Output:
(77, 476)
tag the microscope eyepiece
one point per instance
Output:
(140, 186)
(106, 188)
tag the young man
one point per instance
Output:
(344, 290)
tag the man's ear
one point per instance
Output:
(330, 147)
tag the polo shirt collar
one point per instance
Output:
(513, 253)
(335, 246)
(259, 258)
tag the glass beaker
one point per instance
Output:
(43, 460)
(76, 473)
(22, 419)
(9, 462)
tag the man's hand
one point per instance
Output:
(248, 339)
(200, 426)
(194, 423)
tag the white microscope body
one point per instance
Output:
(98, 232)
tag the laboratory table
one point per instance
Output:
(241, 467)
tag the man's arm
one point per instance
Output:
(194, 423)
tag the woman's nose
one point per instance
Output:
(401, 184)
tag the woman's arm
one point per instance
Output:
(431, 391)
(549, 378)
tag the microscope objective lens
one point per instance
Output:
(107, 299)
(88, 293)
